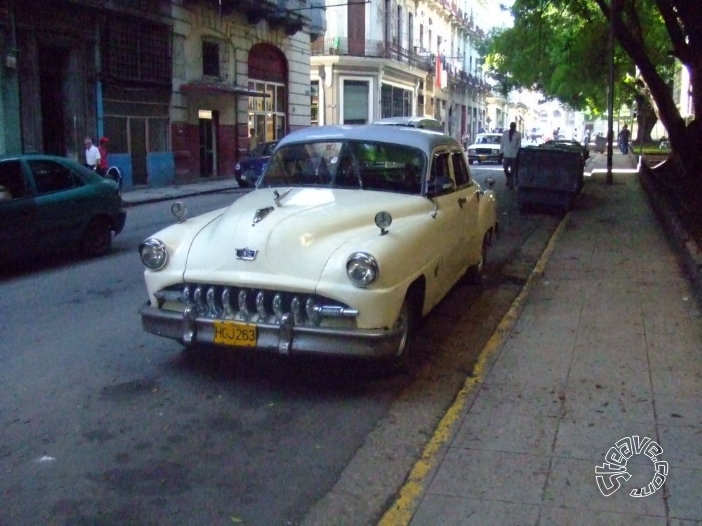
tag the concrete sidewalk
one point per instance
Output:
(605, 344)
(143, 194)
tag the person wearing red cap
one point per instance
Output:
(102, 167)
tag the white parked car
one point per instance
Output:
(353, 233)
(485, 148)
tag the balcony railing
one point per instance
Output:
(377, 49)
(372, 48)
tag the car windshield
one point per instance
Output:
(488, 139)
(263, 150)
(348, 164)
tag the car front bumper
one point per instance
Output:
(284, 338)
(484, 157)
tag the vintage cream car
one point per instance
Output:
(352, 234)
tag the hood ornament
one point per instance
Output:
(261, 214)
(278, 197)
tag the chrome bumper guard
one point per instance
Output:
(284, 338)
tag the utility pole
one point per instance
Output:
(610, 93)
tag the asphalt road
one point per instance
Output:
(101, 423)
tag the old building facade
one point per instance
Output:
(239, 67)
(389, 58)
(174, 84)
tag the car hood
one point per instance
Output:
(290, 244)
(254, 161)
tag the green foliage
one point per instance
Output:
(559, 47)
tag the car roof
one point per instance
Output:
(33, 156)
(416, 137)
(416, 122)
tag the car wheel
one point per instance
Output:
(407, 321)
(475, 272)
(471, 161)
(97, 239)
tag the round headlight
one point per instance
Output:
(362, 269)
(153, 254)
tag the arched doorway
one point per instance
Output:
(268, 73)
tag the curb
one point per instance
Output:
(185, 193)
(400, 513)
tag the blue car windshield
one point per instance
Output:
(263, 150)
(350, 164)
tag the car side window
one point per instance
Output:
(12, 179)
(460, 170)
(50, 176)
(440, 170)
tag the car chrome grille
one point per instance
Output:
(255, 305)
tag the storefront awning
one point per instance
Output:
(203, 87)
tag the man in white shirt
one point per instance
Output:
(509, 148)
(92, 154)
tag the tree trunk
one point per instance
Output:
(646, 120)
(681, 15)
(689, 152)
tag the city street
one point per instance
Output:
(102, 423)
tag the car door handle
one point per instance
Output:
(479, 194)
(462, 201)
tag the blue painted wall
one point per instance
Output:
(123, 161)
(160, 167)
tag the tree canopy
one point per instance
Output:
(559, 47)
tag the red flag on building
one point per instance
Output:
(437, 73)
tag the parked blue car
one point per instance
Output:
(248, 170)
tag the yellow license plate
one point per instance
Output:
(483, 157)
(235, 333)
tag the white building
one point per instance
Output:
(389, 58)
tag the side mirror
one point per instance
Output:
(490, 182)
(440, 185)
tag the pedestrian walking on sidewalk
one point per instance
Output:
(624, 136)
(102, 164)
(253, 140)
(509, 148)
(92, 154)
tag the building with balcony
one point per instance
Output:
(388, 58)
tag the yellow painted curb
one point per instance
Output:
(400, 513)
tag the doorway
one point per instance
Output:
(207, 120)
(53, 65)
(137, 147)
